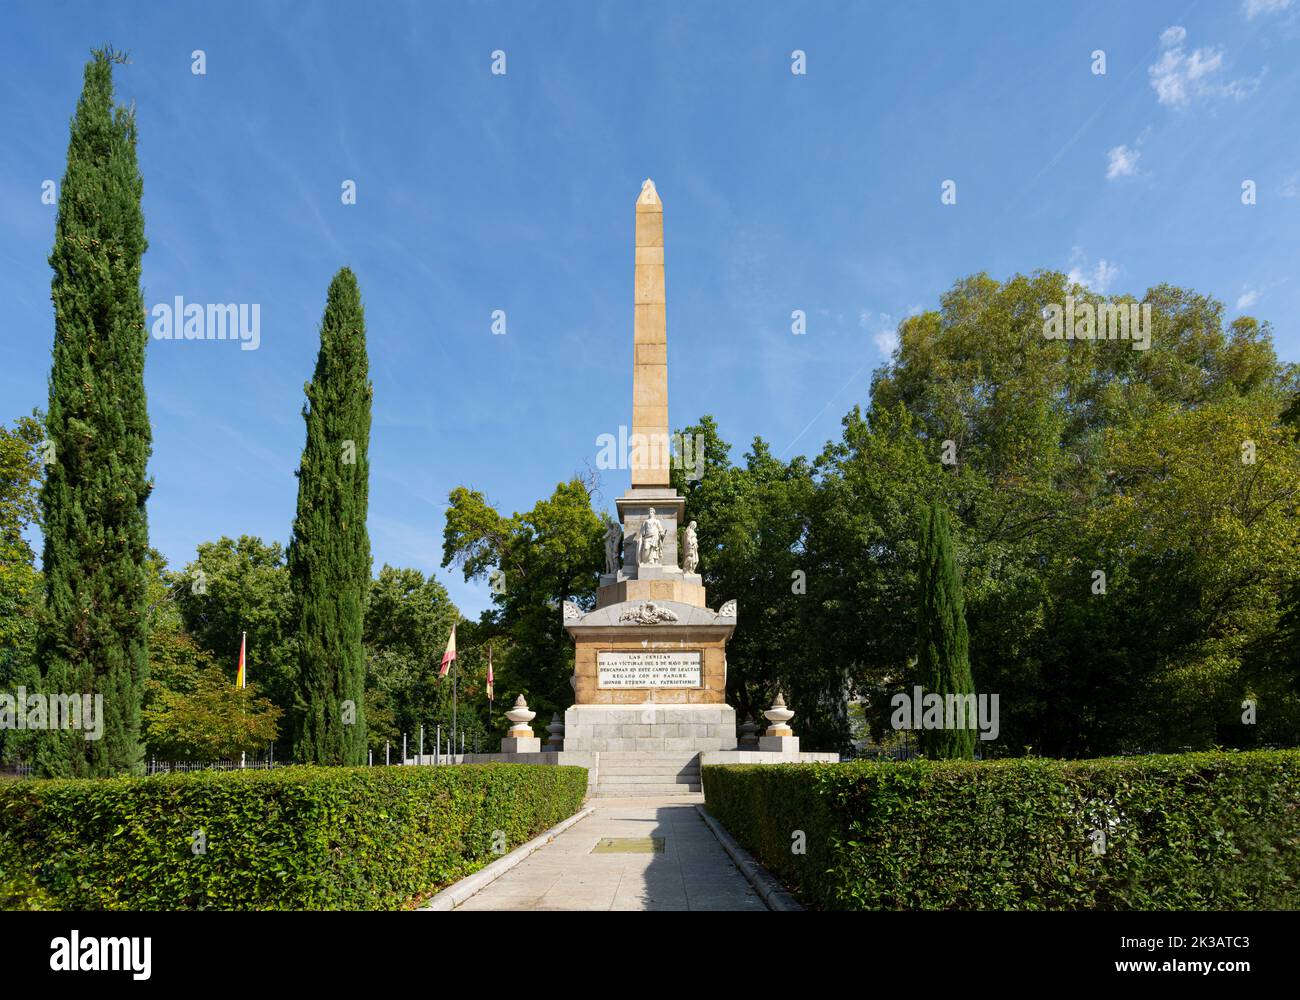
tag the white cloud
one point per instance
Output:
(885, 336)
(1179, 78)
(886, 341)
(1253, 8)
(1291, 187)
(1248, 298)
(1098, 278)
(1122, 162)
(1173, 36)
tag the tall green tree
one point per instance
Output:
(943, 659)
(329, 555)
(20, 583)
(93, 500)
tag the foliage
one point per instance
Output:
(20, 582)
(534, 560)
(408, 620)
(329, 556)
(1194, 831)
(93, 498)
(287, 839)
(236, 586)
(213, 720)
(943, 666)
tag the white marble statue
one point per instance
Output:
(691, 557)
(613, 542)
(650, 551)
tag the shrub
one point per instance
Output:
(293, 838)
(1192, 831)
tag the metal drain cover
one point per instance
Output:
(629, 845)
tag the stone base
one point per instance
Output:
(520, 744)
(649, 727)
(778, 744)
(679, 587)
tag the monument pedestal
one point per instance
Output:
(650, 728)
(521, 744)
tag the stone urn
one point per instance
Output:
(749, 734)
(779, 717)
(519, 717)
(556, 740)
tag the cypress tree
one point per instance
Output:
(329, 555)
(93, 500)
(943, 661)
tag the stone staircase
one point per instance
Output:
(670, 772)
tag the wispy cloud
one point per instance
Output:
(1179, 78)
(1122, 162)
(1254, 8)
(884, 332)
(1247, 298)
(1098, 277)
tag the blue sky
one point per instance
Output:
(478, 192)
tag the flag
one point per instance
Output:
(450, 655)
(489, 676)
(240, 682)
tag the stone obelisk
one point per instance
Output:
(650, 666)
(649, 459)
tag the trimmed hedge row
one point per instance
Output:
(1192, 831)
(287, 839)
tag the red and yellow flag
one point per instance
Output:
(450, 655)
(489, 676)
(239, 675)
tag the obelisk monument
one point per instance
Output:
(650, 665)
(650, 462)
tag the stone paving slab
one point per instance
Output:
(692, 873)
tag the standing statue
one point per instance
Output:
(613, 542)
(691, 558)
(650, 551)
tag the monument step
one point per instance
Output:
(615, 756)
(646, 779)
(628, 791)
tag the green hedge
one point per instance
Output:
(292, 838)
(1193, 831)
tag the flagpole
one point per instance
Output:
(243, 683)
(455, 672)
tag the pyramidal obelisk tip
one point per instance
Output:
(649, 196)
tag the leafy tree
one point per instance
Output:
(329, 556)
(408, 619)
(93, 499)
(20, 583)
(1068, 454)
(752, 522)
(534, 560)
(236, 586)
(210, 720)
(943, 663)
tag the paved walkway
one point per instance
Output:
(692, 872)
